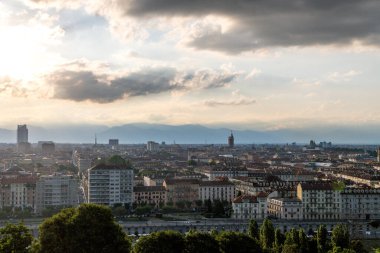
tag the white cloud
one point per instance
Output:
(254, 73)
(306, 83)
(343, 76)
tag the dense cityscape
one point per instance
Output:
(179, 126)
(157, 187)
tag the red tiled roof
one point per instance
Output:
(317, 186)
(215, 183)
(262, 195)
(245, 198)
(171, 181)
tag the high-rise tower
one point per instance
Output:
(22, 134)
(231, 141)
(378, 154)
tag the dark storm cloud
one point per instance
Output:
(265, 23)
(86, 85)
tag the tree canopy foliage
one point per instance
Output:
(87, 228)
(15, 238)
(160, 242)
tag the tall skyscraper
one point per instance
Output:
(231, 141)
(22, 134)
(378, 154)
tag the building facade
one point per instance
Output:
(18, 192)
(285, 208)
(178, 190)
(152, 146)
(361, 204)
(110, 184)
(22, 134)
(320, 201)
(231, 140)
(248, 207)
(56, 190)
(153, 195)
(216, 190)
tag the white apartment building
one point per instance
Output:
(249, 207)
(360, 204)
(285, 208)
(152, 146)
(320, 201)
(56, 190)
(110, 184)
(216, 190)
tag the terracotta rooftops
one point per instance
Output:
(148, 188)
(245, 199)
(317, 186)
(215, 183)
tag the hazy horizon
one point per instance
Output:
(194, 134)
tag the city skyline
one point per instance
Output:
(242, 65)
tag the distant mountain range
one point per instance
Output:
(193, 134)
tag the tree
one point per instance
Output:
(267, 234)
(312, 245)
(253, 229)
(15, 238)
(279, 240)
(340, 237)
(358, 246)
(338, 185)
(116, 160)
(180, 204)
(208, 206)
(161, 242)
(290, 248)
(322, 239)
(340, 250)
(87, 228)
(119, 210)
(198, 203)
(303, 242)
(292, 237)
(192, 162)
(201, 243)
(235, 242)
(218, 209)
(142, 210)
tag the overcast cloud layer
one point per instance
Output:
(86, 85)
(270, 64)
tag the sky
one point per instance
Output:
(248, 64)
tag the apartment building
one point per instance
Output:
(181, 190)
(216, 190)
(110, 184)
(285, 208)
(56, 190)
(360, 203)
(153, 195)
(249, 207)
(320, 201)
(18, 191)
